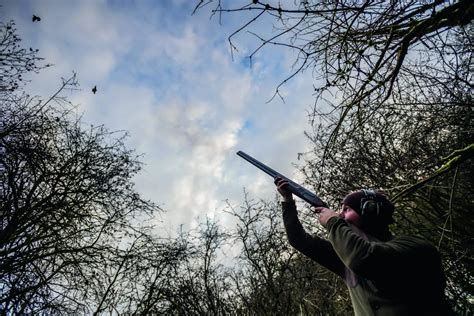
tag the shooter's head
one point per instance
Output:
(373, 210)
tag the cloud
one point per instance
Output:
(167, 77)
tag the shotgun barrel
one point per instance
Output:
(293, 187)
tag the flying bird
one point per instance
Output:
(94, 90)
(35, 18)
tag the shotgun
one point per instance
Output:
(293, 187)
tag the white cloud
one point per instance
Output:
(167, 78)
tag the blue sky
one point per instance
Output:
(168, 78)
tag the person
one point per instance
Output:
(385, 275)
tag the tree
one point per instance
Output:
(200, 285)
(15, 61)
(69, 213)
(67, 200)
(364, 51)
(272, 278)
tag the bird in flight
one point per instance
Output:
(94, 90)
(35, 18)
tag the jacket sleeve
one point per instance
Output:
(373, 259)
(318, 249)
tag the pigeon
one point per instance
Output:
(36, 18)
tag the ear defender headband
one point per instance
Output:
(369, 207)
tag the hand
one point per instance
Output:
(282, 187)
(325, 214)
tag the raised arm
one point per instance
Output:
(318, 249)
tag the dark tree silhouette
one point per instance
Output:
(67, 201)
(15, 60)
(361, 52)
(69, 213)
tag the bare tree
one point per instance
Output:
(271, 278)
(67, 200)
(69, 213)
(361, 52)
(200, 285)
(15, 60)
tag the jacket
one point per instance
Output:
(402, 276)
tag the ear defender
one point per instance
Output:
(369, 207)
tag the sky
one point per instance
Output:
(168, 78)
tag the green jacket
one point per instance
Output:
(403, 276)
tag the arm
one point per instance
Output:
(318, 249)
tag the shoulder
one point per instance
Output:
(415, 241)
(414, 246)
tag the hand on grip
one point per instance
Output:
(283, 189)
